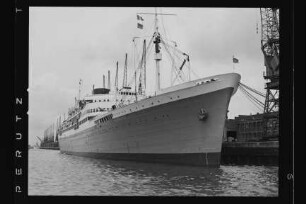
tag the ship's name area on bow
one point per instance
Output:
(207, 81)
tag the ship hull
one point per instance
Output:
(210, 159)
(169, 133)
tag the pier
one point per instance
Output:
(250, 153)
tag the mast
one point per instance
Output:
(142, 75)
(103, 81)
(144, 85)
(116, 78)
(135, 87)
(108, 83)
(125, 72)
(157, 40)
(80, 84)
(158, 55)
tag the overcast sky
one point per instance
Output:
(66, 44)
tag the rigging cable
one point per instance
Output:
(252, 89)
(251, 96)
(141, 61)
(175, 51)
(246, 96)
(166, 48)
(256, 102)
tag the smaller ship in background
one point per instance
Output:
(50, 138)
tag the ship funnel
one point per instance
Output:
(103, 81)
(108, 84)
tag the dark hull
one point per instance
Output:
(190, 159)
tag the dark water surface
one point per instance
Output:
(53, 173)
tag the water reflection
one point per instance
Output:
(53, 173)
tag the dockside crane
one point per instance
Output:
(270, 49)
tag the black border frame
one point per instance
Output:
(21, 37)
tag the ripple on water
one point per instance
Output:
(53, 173)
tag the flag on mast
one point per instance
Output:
(140, 26)
(139, 23)
(235, 60)
(139, 17)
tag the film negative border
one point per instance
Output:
(20, 144)
(20, 147)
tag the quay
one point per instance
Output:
(51, 148)
(250, 153)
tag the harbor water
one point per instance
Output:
(54, 173)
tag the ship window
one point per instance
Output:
(107, 99)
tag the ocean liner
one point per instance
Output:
(181, 124)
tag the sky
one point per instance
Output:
(72, 43)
